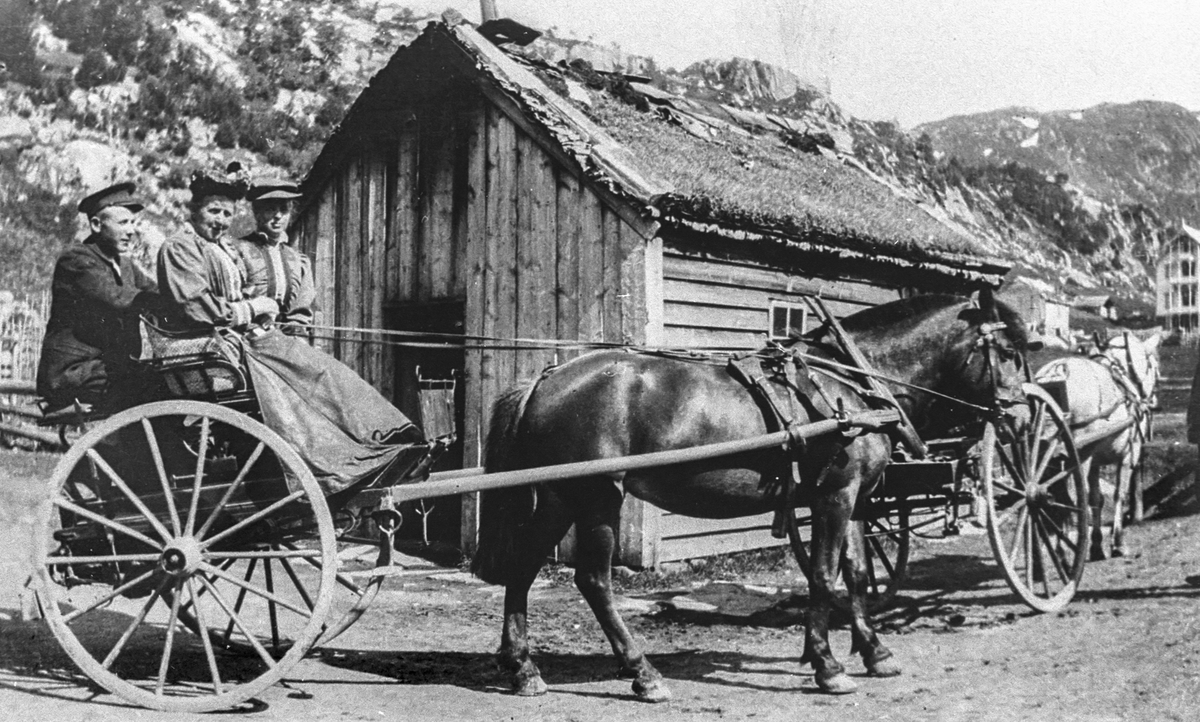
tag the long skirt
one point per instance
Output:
(343, 428)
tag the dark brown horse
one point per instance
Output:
(616, 403)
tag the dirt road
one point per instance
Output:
(1127, 647)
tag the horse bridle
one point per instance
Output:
(992, 350)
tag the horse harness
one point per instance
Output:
(783, 383)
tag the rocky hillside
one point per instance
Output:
(103, 89)
(1146, 152)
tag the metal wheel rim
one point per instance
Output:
(1027, 561)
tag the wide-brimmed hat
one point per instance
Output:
(273, 189)
(231, 183)
(120, 194)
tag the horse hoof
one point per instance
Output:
(836, 683)
(883, 668)
(654, 692)
(1120, 551)
(1097, 554)
(531, 687)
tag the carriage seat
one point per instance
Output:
(195, 364)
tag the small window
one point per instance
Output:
(1187, 268)
(787, 320)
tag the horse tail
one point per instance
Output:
(503, 511)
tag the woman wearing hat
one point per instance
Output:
(338, 423)
(200, 269)
(274, 268)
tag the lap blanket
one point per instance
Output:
(341, 426)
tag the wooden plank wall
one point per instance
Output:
(459, 203)
(711, 303)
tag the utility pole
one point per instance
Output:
(487, 10)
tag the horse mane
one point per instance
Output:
(905, 309)
(890, 314)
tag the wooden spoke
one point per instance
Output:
(1010, 489)
(169, 644)
(287, 567)
(237, 483)
(224, 565)
(134, 498)
(198, 479)
(272, 612)
(241, 597)
(68, 618)
(1052, 552)
(133, 625)
(1010, 465)
(203, 633)
(114, 525)
(1060, 534)
(265, 594)
(1065, 474)
(253, 519)
(168, 493)
(1017, 508)
(235, 620)
(1018, 526)
(1049, 456)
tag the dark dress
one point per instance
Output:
(279, 271)
(91, 342)
(339, 424)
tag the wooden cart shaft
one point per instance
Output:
(460, 482)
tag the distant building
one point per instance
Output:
(1102, 306)
(1177, 296)
(1044, 311)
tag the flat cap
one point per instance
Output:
(120, 194)
(273, 189)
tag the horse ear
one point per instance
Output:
(987, 301)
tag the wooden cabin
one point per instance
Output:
(465, 194)
(1045, 312)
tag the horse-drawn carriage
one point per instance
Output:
(229, 562)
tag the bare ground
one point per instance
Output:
(1127, 647)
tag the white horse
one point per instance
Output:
(1114, 384)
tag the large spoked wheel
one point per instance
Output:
(887, 550)
(176, 517)
(1037, 504)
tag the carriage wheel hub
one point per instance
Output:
(181, 557)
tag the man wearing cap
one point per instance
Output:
(97, 293)
(274, 268)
